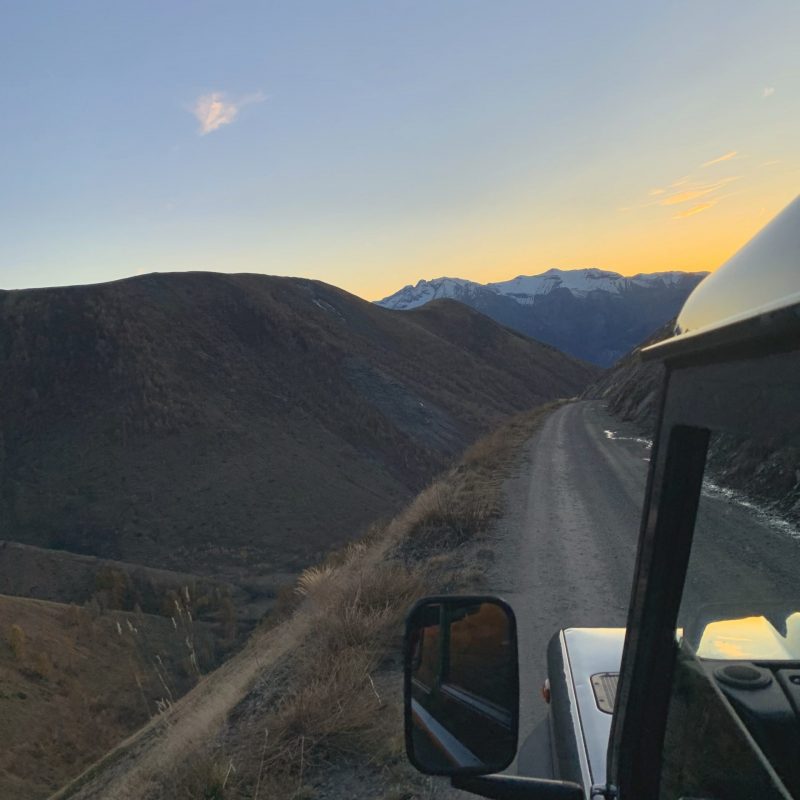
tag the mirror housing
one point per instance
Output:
(461, 685)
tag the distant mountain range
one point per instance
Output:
(592, 314)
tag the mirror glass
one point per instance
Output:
(462, 685)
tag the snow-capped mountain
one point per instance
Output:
(594, 314)
(524, 287)
(425, 291)
(581, 281)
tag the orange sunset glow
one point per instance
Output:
(470, 140)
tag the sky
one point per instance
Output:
(371, 144)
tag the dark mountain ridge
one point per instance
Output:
(225, 423)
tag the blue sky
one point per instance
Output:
(369, 144)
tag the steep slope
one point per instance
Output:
(74, 682)
(630, 389)
(592, 314)
(765, 471)
(239, 424)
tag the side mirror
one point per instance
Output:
(461, 685)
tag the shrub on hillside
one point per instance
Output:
(16, 640)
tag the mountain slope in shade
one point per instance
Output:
(592, 314)
(764, 471)
(239, 424)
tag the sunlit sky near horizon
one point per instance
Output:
(371, 144)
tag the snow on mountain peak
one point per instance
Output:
(577, 281)
(425, 291)
(524, 288)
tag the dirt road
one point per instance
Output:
(565, 549)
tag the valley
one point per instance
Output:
(224, 425)
(176, 449)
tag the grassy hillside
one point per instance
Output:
(74, 682)
(239, 424)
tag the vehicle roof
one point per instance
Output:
(754, 294)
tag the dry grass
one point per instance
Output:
(356, 604)
(16, 640)
(449, 512)
(332, 712)
(497, 450)
(73, 684)
(463, 502)
(332, 707)
(205, 775)
(337, 699)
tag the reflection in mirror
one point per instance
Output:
(461, 686)
(754, 637)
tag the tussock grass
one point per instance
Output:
(357, 603)
(335, 705)
(333, 712)
(204, 775)
(338, 698)
(465, 500)
(448, 513)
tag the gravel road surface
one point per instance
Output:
(565, 548)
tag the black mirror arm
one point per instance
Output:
(515, 787)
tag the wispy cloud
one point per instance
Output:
(768, 91)
(690, 212)
(771, 163)
(697, 192)
(685, 197)
(215, 109)
(726, 157)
